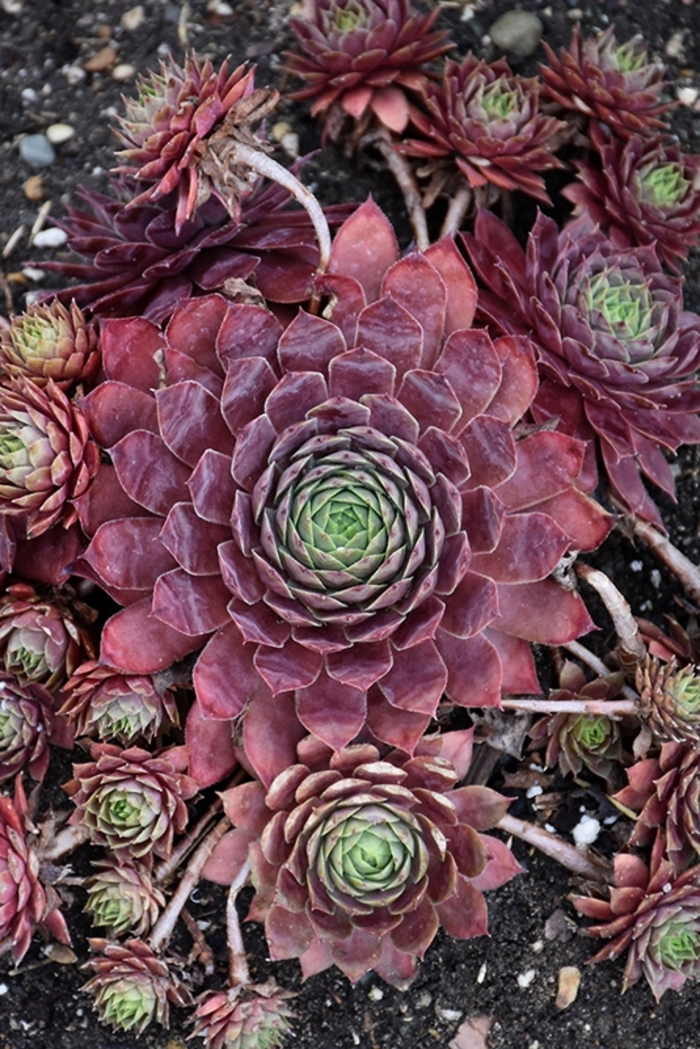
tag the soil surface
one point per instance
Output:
(55, 68)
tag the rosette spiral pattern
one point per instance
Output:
(487, 122)
(47, 459)
(607, 83)
(253, 1017)
(618, 355)
(654, 915)
(339, 508)
(100, 701)
(642, 192)
(50, 341)
(362, 54)
(358, 858)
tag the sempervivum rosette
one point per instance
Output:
(340, 507)
(665, 791)
(24, 902)
(26, 724)
(669, 698)
(654, 915)
(40, 637)
(244, 1017)
(165, 125)
(139, 264)
(362, 54)
(486, 121)
(122, 898)
(101, 701)
(50, 341)
(577, 741)
(131, 986)
(131, 801)
(358, 858)
(618, 356)
(608, 83)
(47, 458)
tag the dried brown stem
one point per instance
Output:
(613, 708)
(458, 207)
(202, 950)
(237, 964)
(631, 646)
(584, 655)
(580, 860)
(401, 170)
(163, 928)
(682, 567)
(168, 867)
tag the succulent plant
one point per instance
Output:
(122, 898)
(103, 702)
(641, 192)
(654, 915)
(340, 504)
(24, 904)
(165, 125)
(670, 700)
(617, 355)
(358, 856)
(131, 986)
(611, 84)
(47, 458)
(26, 722)
(50, 341)
(487, 122)
(41, 639)
(665, 791)
(252, 1017)
(576, 741)
(138, 265)
(130, 801)
(360, 55)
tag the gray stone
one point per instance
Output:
(517, 32)
(37, 151)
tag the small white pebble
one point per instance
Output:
(73, 74)
(58, 133)
(587, 831)
(655, 576)
(219, 8)
(534, 792)
(29, 96)
(123, 71)
(687, 96)
(636, 566)
(550, 828)
(537, 947)
(50, 238)
(526, 978)
(4, 988)
(133, 18)
(375, 994)
(33, 273)
(674, 45)
(481, 975)
(448, 1014)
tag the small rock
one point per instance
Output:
(687, 96)
(526, 978)
(674, 46)
(517, 32)
(73, 74)
(50, 238)
(58, 133)
(219, 9)
(133, 18)
(37, 151)
(123, 71)
(29, 96)
(587, 831)
(567, 988)
(60, 954)
(34, 188)
(375, 994)
(101, 61)
(575, 14)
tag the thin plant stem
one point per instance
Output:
(682, 567)
(579, 860)
(609, 707)
(203, 951)
(456, 211)
(632, 647)
(237, 963)
(62, 843)
(168, 867)
(162, 930)
(401, 170)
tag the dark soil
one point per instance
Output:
(41, 1006)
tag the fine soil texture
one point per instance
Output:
(69, 62)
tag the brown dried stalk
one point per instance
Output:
(682, 567)
(578, 859)
(632, 649)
